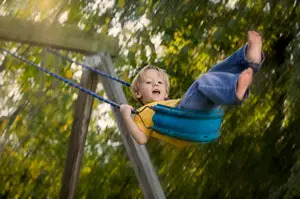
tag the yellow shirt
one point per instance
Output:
(147, 115)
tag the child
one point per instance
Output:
(226, 83)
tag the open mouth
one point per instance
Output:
(156, 92)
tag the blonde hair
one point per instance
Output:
(137, 79)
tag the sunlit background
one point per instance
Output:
(258, 153)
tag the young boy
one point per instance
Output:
(226, 83)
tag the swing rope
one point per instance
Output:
(207, 130)
(89, 67)
(71, 83)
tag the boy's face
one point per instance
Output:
(152, 87)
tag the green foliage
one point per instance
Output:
(256, 157)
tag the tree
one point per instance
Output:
(258, 153)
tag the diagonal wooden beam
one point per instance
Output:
(56, 36)
(138, 154)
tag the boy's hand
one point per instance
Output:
(132, 127)
(125, 110)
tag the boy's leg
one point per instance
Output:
(217, 88)
(227, 83)
(211, 90)
(235, 63)
(248, 56)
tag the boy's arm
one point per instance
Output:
(138, 135)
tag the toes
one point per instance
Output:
(249, 70)
(253, 34)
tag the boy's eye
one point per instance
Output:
(148, 82)
(160, 82)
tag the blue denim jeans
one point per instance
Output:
(217, 86)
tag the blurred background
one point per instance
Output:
(258, 153)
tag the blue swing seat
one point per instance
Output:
(188, 125)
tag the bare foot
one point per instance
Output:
(253, 53)
(245, 80)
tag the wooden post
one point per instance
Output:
(138, 154)
(83, 110)
(56, 36)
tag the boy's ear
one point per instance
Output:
(137, 95)
(166, 96)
